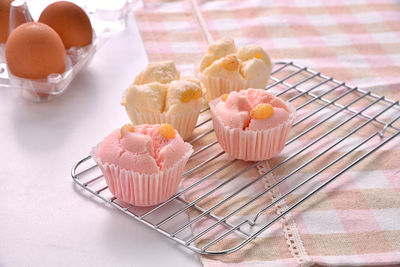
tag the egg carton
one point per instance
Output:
(106, 21)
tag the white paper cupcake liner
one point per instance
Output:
(143, 189)
(215, 87)
(250, 145)
(184, 123)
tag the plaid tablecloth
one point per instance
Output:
(356, 221)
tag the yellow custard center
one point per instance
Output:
(167, 131)
(190, 94)
(262, 111)
(230, 63)
(257, 55)
(127, 128)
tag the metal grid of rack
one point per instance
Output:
(337, 127)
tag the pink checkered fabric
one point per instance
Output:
(355, 220)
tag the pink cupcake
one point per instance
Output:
(143, 164)
(251, 124)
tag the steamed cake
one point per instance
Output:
(143, 164)
(160, 95)
(224, 68)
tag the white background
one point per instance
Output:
(45, 220)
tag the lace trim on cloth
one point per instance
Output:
(293, 239)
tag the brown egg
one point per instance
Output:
(70, 22)
(34, 50)
(4, 18)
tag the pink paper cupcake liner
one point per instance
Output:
(143, 189)
(250, 145)
(215, 87)
(184, 123)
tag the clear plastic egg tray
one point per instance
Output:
(106, 18)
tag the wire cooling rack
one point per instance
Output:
(337, 127)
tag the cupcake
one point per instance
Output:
(143, 165)
(160, 95)
(251, 124)
(225, 69)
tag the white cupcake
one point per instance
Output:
(159, 95)
(225, 69)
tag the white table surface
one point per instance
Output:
(46, 220)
